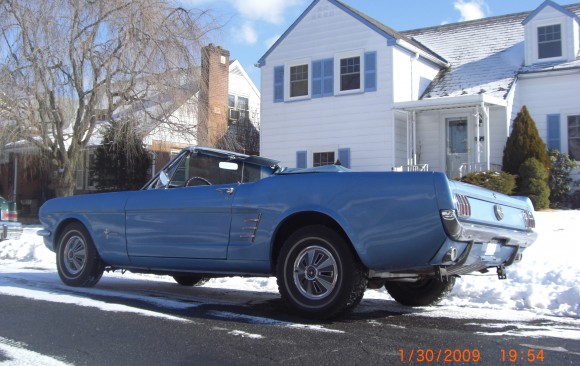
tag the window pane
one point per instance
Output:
(232, 101)
(458, 136)
(323, 158)
(350, 73)
(574, 137)
(350, 82)
(298, 81)
(243, 103)
(549, 41)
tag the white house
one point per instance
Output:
(340, 85)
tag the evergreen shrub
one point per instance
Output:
(560, 182)
(533, 183)
(496, 181)
(524, 143)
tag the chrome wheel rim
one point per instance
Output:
(75, 255)
(315, 273)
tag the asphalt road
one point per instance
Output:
(229, 327)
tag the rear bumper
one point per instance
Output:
(10, 230)
(473, 232)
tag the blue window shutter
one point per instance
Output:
(301, 159)
(370, 71)
(316, 79)
(344, 157)
(554, 139)
(278, 84)
(328, 77)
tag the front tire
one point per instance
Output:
(77, 260)
(318, 274)
(425, 292)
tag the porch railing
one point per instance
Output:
(412, 168)
(466, 168)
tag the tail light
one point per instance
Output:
(529, 219)
(462, 205)
(8, 212)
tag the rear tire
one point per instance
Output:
(190, 280)
(318, 273)
(77, 260)
(425, 292)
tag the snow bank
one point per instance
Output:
(546, 282)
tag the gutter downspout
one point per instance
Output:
(477, 136)
(414, 136)
(487, 139)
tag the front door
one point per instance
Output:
(457, 145)
(189, 215)
(188, 222)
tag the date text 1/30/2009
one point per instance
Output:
(448, 355)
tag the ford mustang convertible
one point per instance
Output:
(326, 233)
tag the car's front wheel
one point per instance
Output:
(318, 273)
(77, 260)
(425, 292)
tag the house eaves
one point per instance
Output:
(553, 5)
(393, 37)
(449, 102)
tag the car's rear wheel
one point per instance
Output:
(190, 280)
(77, 260)
(425, 292)
(318, 273)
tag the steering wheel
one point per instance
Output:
(197, 181)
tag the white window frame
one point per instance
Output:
(287, 66)
(564, 128)
(343, 55)
(561, 41)
(236, 105)
(333, 152)
(533, 38)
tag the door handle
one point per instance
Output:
(228, 191)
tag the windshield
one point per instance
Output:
(192, 168)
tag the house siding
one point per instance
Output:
(547, 94)
(240, 85)
(411, 77)
(429, 140)
(361, 121)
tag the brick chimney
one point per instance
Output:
(213, 106)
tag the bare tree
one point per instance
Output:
(242, 137)
(66, 64)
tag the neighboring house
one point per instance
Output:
(339, 85)
(203, 114)
(224, 96)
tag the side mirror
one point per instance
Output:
(228, 165)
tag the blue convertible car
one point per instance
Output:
(326, 233)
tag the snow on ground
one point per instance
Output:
(545, 283)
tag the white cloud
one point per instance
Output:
(248, 34)
(271, 11)
(471, 9)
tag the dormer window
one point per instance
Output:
(551, 34)
(550, 41)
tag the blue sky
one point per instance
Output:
(252, 26)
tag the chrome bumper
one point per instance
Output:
(472, 232)
(10, 230)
